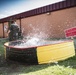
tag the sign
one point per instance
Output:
(71, 32)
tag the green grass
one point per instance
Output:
(67, 67)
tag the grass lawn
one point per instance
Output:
(67, 67)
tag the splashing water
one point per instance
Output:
(36, 39)
(32, 41)
(36, 42)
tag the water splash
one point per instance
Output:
(36, 37)
(34, 41)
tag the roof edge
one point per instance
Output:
(49, 8)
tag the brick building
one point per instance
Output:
(49, 21)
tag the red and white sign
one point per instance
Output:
(71, 32)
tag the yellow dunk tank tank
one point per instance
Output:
(40, 54)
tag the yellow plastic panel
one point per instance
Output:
(6, 44)
(55, 52)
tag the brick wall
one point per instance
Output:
(48, 25)
(1, 30)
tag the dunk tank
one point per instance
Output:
(40, 54)
(36, 51)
